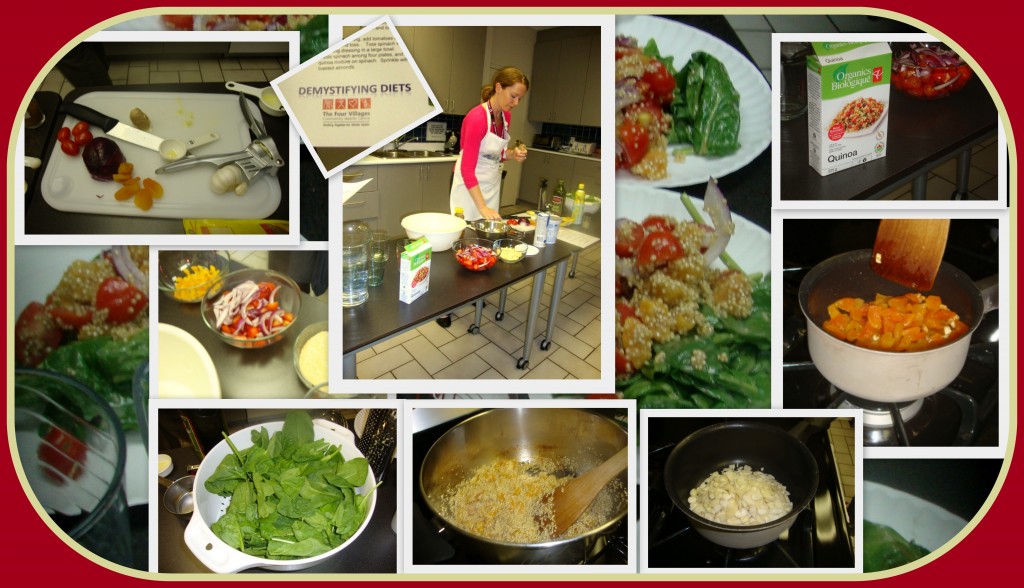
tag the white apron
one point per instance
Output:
(488, 172)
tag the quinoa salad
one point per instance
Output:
(859, 114)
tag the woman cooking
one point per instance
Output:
(477, 181)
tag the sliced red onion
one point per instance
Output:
(626, 93)
(273, 294)
(718, 209)
(126, 268)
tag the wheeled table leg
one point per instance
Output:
(531, 317)
(478, 315)
(556, 295)
(501, 304)
(963, 173)
(348, 366)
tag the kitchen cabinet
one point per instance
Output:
(452, 62)
(591, 112)
(364, 205)
(588, 173)
(562, 68)
(540, 164)
(410, 188)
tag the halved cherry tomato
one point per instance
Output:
(634, 140)
(68, 318)
(622, 365)
(35, 335)
(658, 248)
(82, 138)
(624, 311)
(63, 134)
(658, 223)
(122, 301)
(62, 452)
(80, 127)
(628, 237)
(69, 147)
(662, 84)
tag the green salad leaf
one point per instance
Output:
(735, 373)
(292, 496)
(885, 549)
(705, 112)
(107, 366)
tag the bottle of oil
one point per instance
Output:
(578, 201)
(558, 198)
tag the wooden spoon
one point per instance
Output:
(572, 498)
(908, 251)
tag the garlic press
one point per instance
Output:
(259, 157)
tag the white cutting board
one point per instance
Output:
(66, 184)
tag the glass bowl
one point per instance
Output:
(510, 250)
(186, 276)
(475, 254)
(928, 71)
(257, 332)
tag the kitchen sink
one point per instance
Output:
(403, 154)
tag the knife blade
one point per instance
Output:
(113, 127)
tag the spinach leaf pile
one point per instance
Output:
(736, 374)
(292, 496)
(106, 365)
(706, 110)
(885, 549)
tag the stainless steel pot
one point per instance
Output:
(884, 376)
(489, 229)
(586, 438)
(759, 445)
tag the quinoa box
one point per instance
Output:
(414, 276)
(847, 104)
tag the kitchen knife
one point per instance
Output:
(113, 127)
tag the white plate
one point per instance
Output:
(680, 41)
(917, 520)
(37, 271)
(531, 250)
(750, 246)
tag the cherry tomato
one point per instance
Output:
(35, 335)
(622, 365)
(658, 248)
(62, 452)
(658, 223)
(662, 84)
(63, 134)
(634, 140)
(80, 127)
(628, 236)
(68, 318)
(624, 311)
(122, 301)
(82, 138)
(69, 147)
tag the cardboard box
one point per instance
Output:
(847, 104)
(414, 275)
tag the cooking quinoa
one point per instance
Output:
(503, 500)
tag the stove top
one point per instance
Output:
(963, 414)
(821, 537)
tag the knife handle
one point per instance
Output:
(90, 116)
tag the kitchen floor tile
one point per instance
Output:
(500, 360)
(462, 346)
(577, 347)
(410, 371)
(435, 333)
(594, 359)
(507, 340)
(748, 22)
(363, 355)
(383, 363)
(545, 370)
(427, 354)
(590, 334)
(572, 364)
(585, 313)
(395, 341)
(467, 368)
(491, 374)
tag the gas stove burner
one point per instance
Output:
(878, 415)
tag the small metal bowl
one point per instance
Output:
(489, 229)
(510, 250)
(178, 498)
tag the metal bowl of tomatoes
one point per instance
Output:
(928, 71)
(475, 254)
(254, 308)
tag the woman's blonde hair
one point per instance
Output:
(506, 76)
